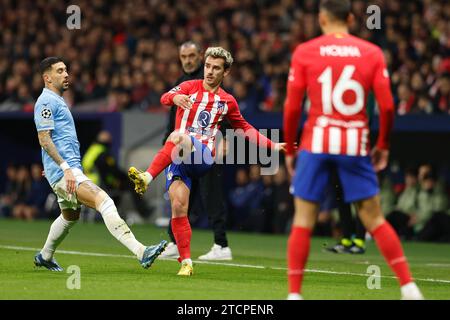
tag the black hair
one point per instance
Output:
(339, 9)
(411, 170)
(47, 63)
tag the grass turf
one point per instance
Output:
(329, 276)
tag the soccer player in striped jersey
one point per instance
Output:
(337, 71)
(202, 105)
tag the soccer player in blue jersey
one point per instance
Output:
(62, 167)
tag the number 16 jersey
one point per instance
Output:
(338, 71)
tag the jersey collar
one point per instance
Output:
(48, 91)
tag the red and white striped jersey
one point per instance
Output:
(208, 110)
(337, 71)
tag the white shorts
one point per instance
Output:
(66, 200)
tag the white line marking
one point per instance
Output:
(443, 265)
(95, 254)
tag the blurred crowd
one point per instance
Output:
(260, 203)
(414, 200)
(27, 194)
(418, 207)
(126, 53)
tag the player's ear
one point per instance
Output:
(323, 19)
(227, 72)
(350, 20)
(47, 78)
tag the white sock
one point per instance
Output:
(119, 228)
(58, 231)
(294, 296)
(149, 177)
(410, 291)
(188, 261)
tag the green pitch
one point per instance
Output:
(258, 270)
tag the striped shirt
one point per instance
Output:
(208, 110)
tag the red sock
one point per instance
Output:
(182, 232)
(391, 248)
(162, 159)
(298, 251)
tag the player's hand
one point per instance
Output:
(281, 146)
(379, 158)
(43, 173)
(70, 181)
(183, 101)
(290, 167)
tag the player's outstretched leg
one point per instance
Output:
(162, 160)
(91, 195)
(389, 245)
(299, 244)
(51, 264)
(58, 231)
(140, 179)
(151, 253)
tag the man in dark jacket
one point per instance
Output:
(209, 197)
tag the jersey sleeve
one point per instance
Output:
(296, 86)
(237, 121)
(182, 88)
(44, 113)
(381, 86)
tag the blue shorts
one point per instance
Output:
(199, 162)
(312, 176)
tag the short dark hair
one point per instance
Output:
(47, 63)
(191, 43)
(339, 9)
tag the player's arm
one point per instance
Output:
(44, 120)
(381, 86)
(296, 86)
(46, 142)
(178, 96)
(237, 121)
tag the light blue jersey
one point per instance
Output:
(52, 113)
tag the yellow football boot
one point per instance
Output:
(140, 180)
(186, 270)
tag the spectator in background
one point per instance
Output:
(246, 199)
(268, 203)
(19, 210)
(423, 105)
(421, 208)
(37, 197)
(122, 63)
(8, 198)
(239, 199)
(441, 94)
(405, 99)
(101, 167)
(431, 200)
(406, 207)
(254, 218)
(283, 201)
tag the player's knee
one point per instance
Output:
(179, 207)
(175, 137)
(178, 138)
(101, 198)
(369, 210)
